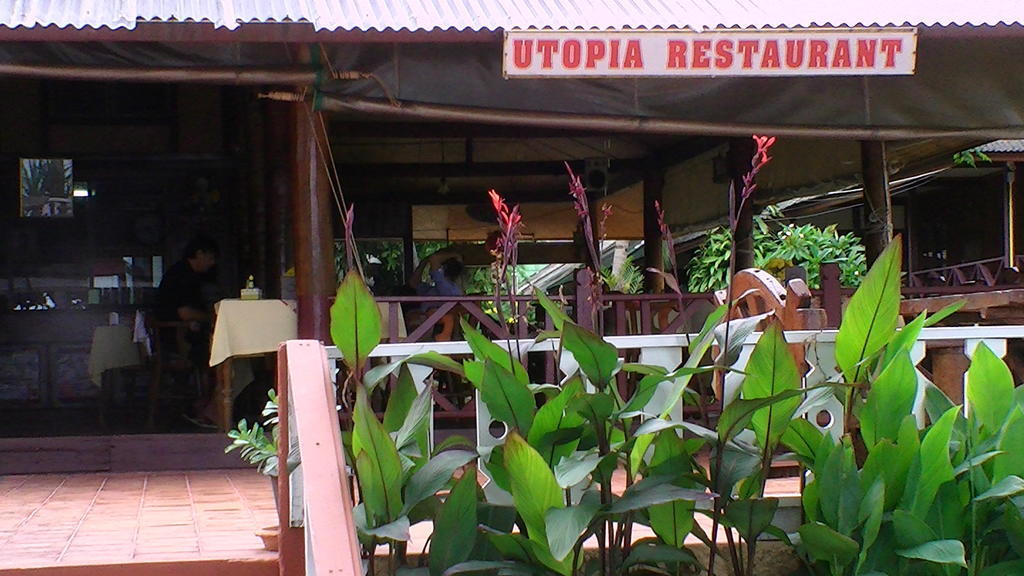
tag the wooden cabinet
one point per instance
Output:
(44, 356)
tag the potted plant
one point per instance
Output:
(258, 446)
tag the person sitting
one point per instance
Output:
(180, 299)
(180, 294)
(445, 270)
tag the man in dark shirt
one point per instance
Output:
(180, 299)
(180, 296)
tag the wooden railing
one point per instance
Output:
(436, 318)
(616, 314)
(438, 313)
(317, 494)
(986, 273)
(632, 314)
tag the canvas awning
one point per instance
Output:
(965, 89)
(966, 85)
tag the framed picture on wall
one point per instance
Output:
(46, 188)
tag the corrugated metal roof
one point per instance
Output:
(76, 13)
(514, 14)
(1001, 146)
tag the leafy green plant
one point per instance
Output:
(557, 461)
(709, 268)
(398, 474)
(886, 497)
(890, 498)
(970, 158)
(258, 443)
(775, 248)
(628, 280)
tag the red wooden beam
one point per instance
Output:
(311, 226)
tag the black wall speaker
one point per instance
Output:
(595, 176)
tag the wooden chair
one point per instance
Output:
(758, 292)
(176, 360)
(448, 325)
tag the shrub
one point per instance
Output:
(777, 247)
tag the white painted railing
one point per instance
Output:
(308, 413)
(669, 351)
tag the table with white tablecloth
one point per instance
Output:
(248, 328)
(112, 348)
(244, 329)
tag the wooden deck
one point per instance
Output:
(118, 453)
(147, 524)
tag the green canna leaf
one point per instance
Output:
(826, 545)
(889, 401)
(989, 390)
(565, 526)
(508, 399)
(870, 318)
(378, 465)
(533, 486)
(455, 527)
(558, 316)
(938, 551)
(598, 359)
(355, 322)
(770, 371)
(485, 350)
(674, 520)
(935, 466)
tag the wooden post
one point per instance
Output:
(584, 306)
(1011, 214)
(948, 368)
(831, 294)
(241, 220)
(278, 141)
(256, 189)
(654, 248)
(741, 150)
(312, 233)
(877, 203)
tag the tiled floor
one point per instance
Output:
(182, 518)
(91, 519)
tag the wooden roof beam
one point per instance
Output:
(473, 169)
(340, 130)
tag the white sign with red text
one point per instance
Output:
(806, 52)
